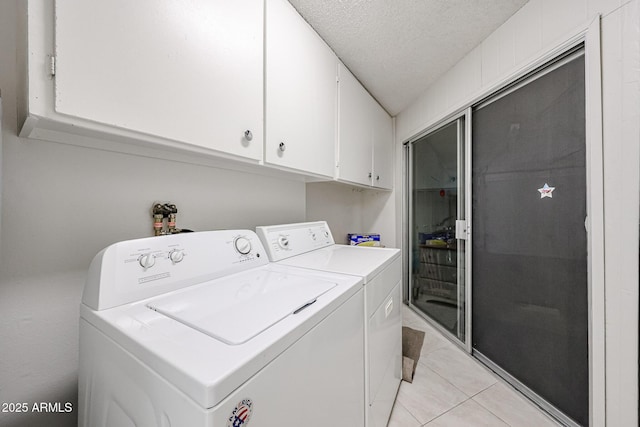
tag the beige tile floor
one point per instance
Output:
(452, 389)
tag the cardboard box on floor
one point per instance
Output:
(411, 345)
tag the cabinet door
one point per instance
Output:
(184, 70)
(356, 130)
(301, 92)
(383, 152)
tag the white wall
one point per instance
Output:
(533, 30)
(351, 209)
(60, 205)
(621, 138)
(539, 27)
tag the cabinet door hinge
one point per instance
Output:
(52, 66)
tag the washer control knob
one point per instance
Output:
(242, 245)
(283, 242)
(326, 234)
(147, 260)
(176, 256)
(313, 236)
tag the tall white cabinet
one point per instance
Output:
(365, 136)
(301, 93)
(183, 74)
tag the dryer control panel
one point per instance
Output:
(287, 240)
(137, 269)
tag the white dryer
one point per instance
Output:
(199, 329)
(311, 245)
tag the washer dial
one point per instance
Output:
(147, 260)
(176, 256)
(242, 245)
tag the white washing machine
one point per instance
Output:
(311, 245)
(199, 329)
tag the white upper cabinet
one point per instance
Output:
(383, 153)
(365, 136)
(301, 94)
(356, 130)
(185, 74)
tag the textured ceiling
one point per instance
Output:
(397, 48)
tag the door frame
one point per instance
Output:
(588, 36)
(558, 62)
(408, 239)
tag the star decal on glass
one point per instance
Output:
(546, 191)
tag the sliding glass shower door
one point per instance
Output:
(437, 279)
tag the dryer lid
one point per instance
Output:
(363, 261)
(238, 308)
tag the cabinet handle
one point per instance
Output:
(377, 177)
(248, 135)
(282, 147)
(370, 174)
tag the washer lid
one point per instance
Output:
(238, 308)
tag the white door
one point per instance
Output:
(356, 133)
(301, 92)
(188, 70)
(383, 153)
